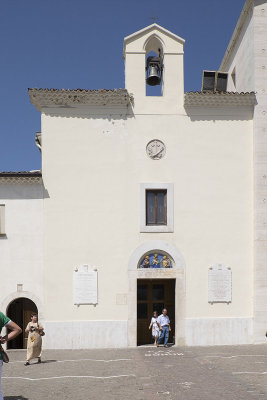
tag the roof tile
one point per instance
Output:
(215, 99)
(65, 97)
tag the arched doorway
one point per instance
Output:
(19, 311)
(164, 285)
(154, 295)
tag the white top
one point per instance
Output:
(154, 321)
(163, 320)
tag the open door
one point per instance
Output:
(20, 311)
(154, 295)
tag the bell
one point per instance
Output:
(154, 75)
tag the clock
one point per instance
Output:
(156, 149)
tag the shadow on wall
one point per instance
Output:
(219, 113)
(23, 191)
(111, 113)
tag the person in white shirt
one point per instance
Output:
(155, 326)
(164, 326)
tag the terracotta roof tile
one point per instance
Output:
(210, 98)
(41, 98)
(20, 173)
(20, 177)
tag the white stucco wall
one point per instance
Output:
(92, 169)
(94, 164)
(21, 250)
(248, 54)
(241, 59)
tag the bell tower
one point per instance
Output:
(155, 56)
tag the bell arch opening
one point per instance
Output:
(154, 66)
(153, 43)
(19, 311)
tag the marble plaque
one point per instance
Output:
(85, 285)
(220, 284)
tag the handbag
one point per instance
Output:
(4, 354)
(42, 333)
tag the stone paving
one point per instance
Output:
(144, 373)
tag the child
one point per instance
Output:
(155, 326)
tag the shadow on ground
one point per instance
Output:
(48, 361)
(15, 398)
(44, 362)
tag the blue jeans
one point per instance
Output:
(164, 334)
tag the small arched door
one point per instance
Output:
(19, 311)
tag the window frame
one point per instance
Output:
(156, 192)
(169, 226)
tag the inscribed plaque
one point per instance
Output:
(85, 285)
(220, 284)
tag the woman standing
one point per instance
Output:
(34, 344)
(155, 326)
(15, 331)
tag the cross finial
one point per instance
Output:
(154, 18)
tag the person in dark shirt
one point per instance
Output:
(15, 331)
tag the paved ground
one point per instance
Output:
(145, 373)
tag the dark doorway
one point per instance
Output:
(20, 311)
(154, 295)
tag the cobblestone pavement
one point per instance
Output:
(144, 373)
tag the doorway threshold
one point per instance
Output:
(153, 346)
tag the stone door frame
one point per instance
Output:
(177, 273)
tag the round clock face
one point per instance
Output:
(156, 149)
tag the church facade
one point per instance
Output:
(144, 202)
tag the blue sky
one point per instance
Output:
(78, 44)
